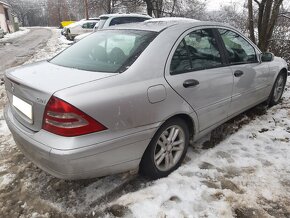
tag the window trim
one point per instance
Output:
(221, 41)
(220, 49)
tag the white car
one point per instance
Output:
(80, 27)
(1, 33)
(107, 20)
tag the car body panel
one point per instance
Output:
(95, 160)
(250, 87)
(37, 91)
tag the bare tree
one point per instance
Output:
(30, 12)
(268, 11)
(251, 21)
(183, 8)
(86, 9)
(58, 11)
(231, 15)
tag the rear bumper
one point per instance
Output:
(87, 162)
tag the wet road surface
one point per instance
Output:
(17, 51)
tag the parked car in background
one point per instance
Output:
(84, 27)
(1, 33)
(77, 28)
(135, 95)
(66, 23)
(107, 20)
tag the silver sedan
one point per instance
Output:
(135, 95)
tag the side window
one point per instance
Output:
(238, 49)
(180, 62)
(85, 26)
(91, 25)
(198, 51)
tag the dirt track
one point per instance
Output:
(15, 52)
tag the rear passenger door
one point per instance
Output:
(199, 75)
(250, 76)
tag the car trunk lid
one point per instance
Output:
(29, 88)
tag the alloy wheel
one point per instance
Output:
(169, 148)
(278, 89)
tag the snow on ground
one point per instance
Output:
(10, 36)
(245, 175)
(55, 45)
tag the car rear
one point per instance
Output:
(64, 137)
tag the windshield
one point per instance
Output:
(111, 51)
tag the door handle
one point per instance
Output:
(190, 83)
(238, 73)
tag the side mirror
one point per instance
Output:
(267, 57)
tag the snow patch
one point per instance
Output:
(10, 36)
(6, 179)
(54, 46)
(246, 170)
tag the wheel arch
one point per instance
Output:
(284, 71)
(147, 155)
(189, 122)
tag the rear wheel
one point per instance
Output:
(277, 89)
(166, 150)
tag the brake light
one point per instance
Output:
(63, 119)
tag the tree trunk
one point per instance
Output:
(149, 7)
(267, 17)
(251, 21)
(86, 9)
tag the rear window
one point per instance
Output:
(123, 20)
(111, 51)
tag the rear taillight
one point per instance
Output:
(63, 119)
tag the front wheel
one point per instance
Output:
(166, 150)
(277, 89)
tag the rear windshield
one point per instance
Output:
(123, 20)
(111, 51)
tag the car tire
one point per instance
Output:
(67, 34)
(277, 90)
(166, 150)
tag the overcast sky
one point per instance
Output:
(213, 5)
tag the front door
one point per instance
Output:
(250, 76)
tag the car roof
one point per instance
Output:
(123, 15)
(159, 24)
